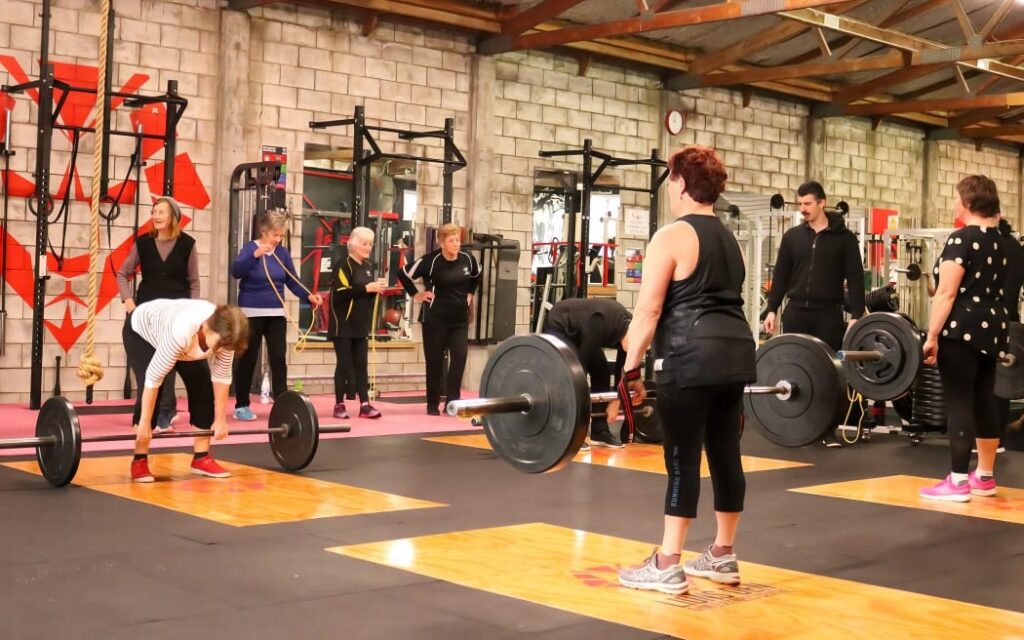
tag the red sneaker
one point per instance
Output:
(207, 466)
(140, 471)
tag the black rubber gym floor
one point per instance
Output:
(75, 563)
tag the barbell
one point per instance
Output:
(535, 402)
(778, 201)
(881, 356)
(293, 429)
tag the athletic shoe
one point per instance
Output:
(948, 491)
(340, 412)
(140, 471)
(605, 439)
(982, 485)
(207, 466)
(723, 569)
(244, 413)
(432, 410)
(367, 410)
(648, 576)
(158, 429)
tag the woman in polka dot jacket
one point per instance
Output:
(967, 331)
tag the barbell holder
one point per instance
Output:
(523, 403)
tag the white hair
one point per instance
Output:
(357, 233)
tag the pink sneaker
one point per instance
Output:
(982, 487)
(947, 491)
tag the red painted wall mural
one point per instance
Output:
(77, 111)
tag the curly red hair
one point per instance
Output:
(701, 170)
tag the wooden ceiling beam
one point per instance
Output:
(642, 24)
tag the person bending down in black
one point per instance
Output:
(590, 326)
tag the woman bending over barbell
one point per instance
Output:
(690, 304)
(182, 335)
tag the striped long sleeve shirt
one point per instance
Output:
(172, 327)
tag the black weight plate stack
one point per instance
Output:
(929, 404)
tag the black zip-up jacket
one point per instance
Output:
(811, 268)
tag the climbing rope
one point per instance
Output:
(90, 369)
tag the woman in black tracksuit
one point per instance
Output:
(353, 291)
(450, 278)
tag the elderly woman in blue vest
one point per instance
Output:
(263, 269)
(169, 265)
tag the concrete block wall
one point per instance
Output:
(868, 168)
(956, 159)
(258, 77)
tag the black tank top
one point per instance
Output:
(164, 278)
(703, 337)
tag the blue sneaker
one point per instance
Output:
(244, 413)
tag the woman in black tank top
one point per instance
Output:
(691, 308)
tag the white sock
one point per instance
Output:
(979, 472)
(958, 478)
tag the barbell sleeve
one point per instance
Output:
(859, 356)
(24, 443)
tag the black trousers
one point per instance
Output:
(699, 418)
(195, 374)
(275, 330)
(439, 338)
(351, 357)
(825, 324)
(600, 381)
(968, 384)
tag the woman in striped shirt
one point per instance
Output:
(182, 336)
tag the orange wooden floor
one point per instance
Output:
(251, 496)
(575, 571)
(901, 491)
(635, 457)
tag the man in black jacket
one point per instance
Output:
(589, 326)
(818, 261)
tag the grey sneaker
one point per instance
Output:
(649, 576)
(725, 569)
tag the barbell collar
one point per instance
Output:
(783, 389)
(859, 356)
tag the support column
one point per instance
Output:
(930, 217)
(478, 179)
(232, 101)
(815, 148)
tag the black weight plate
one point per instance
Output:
(899, 342)
(1010, 380)
(818, 391)
(546, 437)
(296, 449)
(648, 428)
(59, 463)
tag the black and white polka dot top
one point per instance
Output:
(979, 315)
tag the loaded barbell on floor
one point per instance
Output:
(881, 356)
(536, 403)
(778, 201)
(293, 428)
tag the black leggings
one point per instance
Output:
(351, 361)
(696, 418)
(825, 324)
(275, 329)
(438, 338)
(194, 373)
(968, 384)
